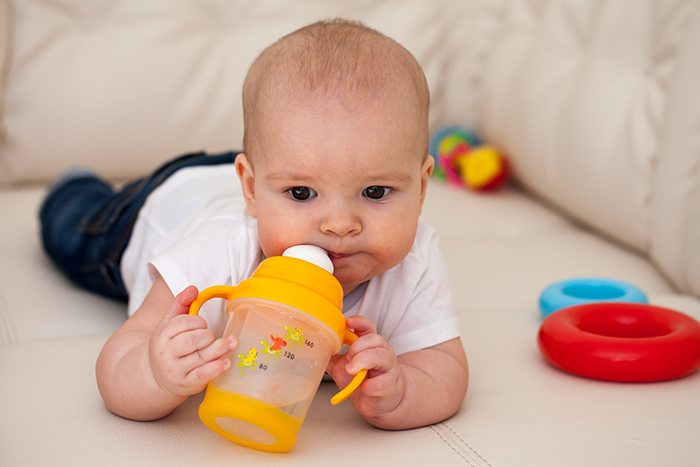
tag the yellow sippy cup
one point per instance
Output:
(288, 321)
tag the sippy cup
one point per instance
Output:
(288, 321)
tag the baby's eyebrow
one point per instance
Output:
(288, 175)
(396, 176)
(382, 176)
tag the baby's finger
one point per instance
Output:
(186, 343)
(179, 307)
(182, 302)
(201, 375)
(376, 359)
(216, 350)
(360, 325)
(182, 324)
(366, 342)
(336, 368)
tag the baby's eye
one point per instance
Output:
(302, 193)
(376, 192)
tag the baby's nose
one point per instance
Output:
(341, 224)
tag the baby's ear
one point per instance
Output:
(247, 178)
(426, 171)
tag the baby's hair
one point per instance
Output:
(333, 58)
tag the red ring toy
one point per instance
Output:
(624, 342)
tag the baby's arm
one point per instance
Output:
(414, 389)
(159, 356)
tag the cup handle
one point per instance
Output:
(348, 338)
(218, 291)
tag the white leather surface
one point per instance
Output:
(596, 104)
(576, 99)
(675, 232)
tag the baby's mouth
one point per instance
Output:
(337, 256)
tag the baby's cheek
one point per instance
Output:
(275, 237)
(269, 242)
(395, 250)
(403, 242)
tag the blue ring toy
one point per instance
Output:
(454, 130)
(570, 292)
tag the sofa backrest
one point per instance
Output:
(597, 105)
(121, 86)
(594, 102)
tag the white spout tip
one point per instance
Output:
(312, 254)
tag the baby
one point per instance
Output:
(335, 155)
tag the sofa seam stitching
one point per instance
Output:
(445, 441)
(459, 445)
(466, 444)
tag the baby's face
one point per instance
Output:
(351, 181)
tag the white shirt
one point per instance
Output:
(194, 229)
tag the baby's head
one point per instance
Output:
(336, 137)
(334, 60)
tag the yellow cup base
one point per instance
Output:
(248, 422)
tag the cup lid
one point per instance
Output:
(301, 284)
(311, 253)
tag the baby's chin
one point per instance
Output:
(350, 280)
(350, 283)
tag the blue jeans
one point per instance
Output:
(86, 224)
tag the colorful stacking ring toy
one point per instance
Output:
(623, 342)
(462, 160)
(587, 290)
(446, 139)
(446, 146)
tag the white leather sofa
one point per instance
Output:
(595, 102)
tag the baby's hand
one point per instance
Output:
(383, 389)
(184, 354)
